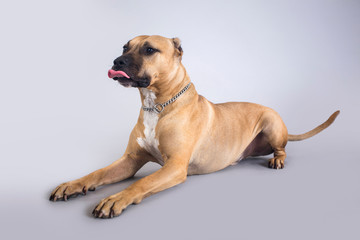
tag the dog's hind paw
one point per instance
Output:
(276, 163)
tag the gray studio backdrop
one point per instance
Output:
(61, 117)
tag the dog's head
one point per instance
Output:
(146, 60)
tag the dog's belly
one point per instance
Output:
(226, 137)
(211, 156)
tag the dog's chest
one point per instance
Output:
(149, 142)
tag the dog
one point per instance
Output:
(179, 129)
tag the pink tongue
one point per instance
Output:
(112, 74)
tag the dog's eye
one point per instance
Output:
(125, 48)
(150, 50)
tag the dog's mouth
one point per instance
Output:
(122, 77)
(125, 80)
(116, 75)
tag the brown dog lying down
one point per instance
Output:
(179, 129)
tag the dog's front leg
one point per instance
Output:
(119, 170)
(172, 173)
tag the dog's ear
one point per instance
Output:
(177, 45)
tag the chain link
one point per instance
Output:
(159, 107)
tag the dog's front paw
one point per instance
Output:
(113, 206)
(69, 189)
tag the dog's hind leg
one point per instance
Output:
(275, 132)
(277, 161)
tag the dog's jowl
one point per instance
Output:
(179, 129)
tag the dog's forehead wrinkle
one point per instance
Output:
(136, 41)
(154, 41)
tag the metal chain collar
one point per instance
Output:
(159, 107)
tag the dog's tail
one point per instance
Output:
(315, 130)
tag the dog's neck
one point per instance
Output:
(165, 88)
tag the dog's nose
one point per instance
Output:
(121, 61)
